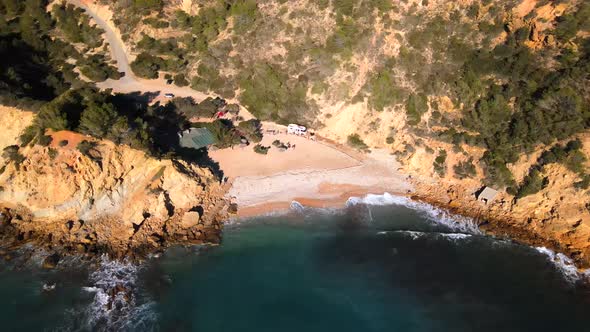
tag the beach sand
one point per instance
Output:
(315, 174)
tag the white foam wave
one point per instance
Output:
(416, 235)
(413, 234)
(297, 207)
(455, 236)
(115, 304)
(565, 265)
(434, 214)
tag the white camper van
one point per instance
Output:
(296, 129)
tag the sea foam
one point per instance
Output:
(455, 222)
(565, 265)
(417, 235)
(117, 310)
(466, 227)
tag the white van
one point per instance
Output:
(296, 129)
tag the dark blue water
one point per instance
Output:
(367, 269)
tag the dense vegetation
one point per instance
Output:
(33, 64)
(125, 119)
(36, 46)
(512, 93)
(511, 98)
(93, 113)
(568, 155)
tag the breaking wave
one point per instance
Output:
(565, 265)
(297, 207)
(465, 227)
(457, 223)
(417, 235)
(116, 304)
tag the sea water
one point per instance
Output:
(382, 264)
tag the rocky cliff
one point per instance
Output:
(556, 216)
(110, 199)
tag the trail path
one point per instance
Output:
(315, 169)
(130, 82)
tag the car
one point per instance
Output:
(169, 95)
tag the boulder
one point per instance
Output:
(190, 219)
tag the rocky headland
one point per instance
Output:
(111, 199)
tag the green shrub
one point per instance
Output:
(570, 156)
(569, 24)
(279, 145)
(269, 94)
(584, 183)
(29, 134)
(532, 184)
(44, 140)
(180, 80)
(147, 65)
(95, 68)
(97, 119)
(496, 172)
(465, 169)
(383, 91)
(355, 141)
(11, 154)
(147, 5)
(416, 106)
(261, 149)
(52, 153)
(75, 25)
(440, 163)
(85, 147)
(252, 129)
(244, 13)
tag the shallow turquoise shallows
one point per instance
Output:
(367, 268)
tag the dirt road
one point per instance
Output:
(130, 82)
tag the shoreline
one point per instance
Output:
(557, 256)
(336, 202)
(325, 175)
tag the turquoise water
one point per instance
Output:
(378, 268)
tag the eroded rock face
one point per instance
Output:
(558, 217)
(117, 200)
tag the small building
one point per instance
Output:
(196, 138)
(296, 129)
(487, 195)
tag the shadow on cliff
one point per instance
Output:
(165, 122)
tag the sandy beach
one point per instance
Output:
(315, 174)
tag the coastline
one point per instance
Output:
(317, 174)
(336, 202)
(321, 174)
(562, 258)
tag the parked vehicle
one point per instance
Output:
(296, 129)
(169, 95)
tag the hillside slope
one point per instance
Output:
(465, 94)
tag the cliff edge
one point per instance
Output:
(108, 198)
